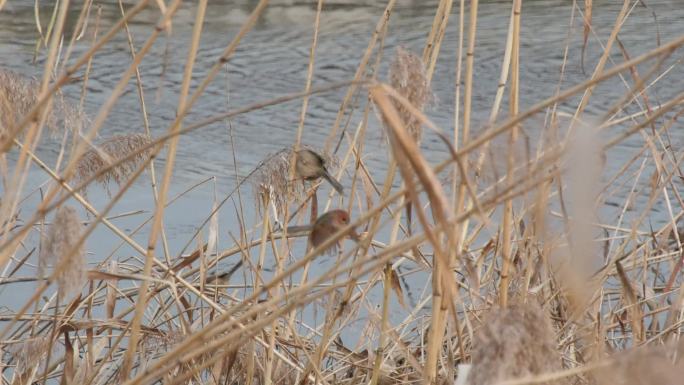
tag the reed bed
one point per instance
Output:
(523, 281)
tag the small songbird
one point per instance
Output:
(311, 166)
(327, 225)
(223, 278)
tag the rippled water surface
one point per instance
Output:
(272, 61)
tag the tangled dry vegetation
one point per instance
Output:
(509, 278)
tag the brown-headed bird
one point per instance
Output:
(328, 225)
(311, 166)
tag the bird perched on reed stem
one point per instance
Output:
(311, 166)
(328, 225)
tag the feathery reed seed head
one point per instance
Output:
(408, 76)
(271, 181)
(272, 176)
(644, 366)
(58, 250)
(28, 354)
(514, 342)
(108, 152)
(18, 94)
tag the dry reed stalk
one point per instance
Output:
(166, 181)
(411, 163)
(503, 80)
(146, 123)
(175, 129)
(461, 201)
(295, 299)
(80, 148)
(619, 22)
(33, 114)
(204, 351)
(60, 240)
(507, 247)
(384, 325)
(512, 342)
(307, 89)
(79, 241)
(100, 217)
(48, 204)
(437, 32)
(378, 32)
(32, 134)
(94, 161)
(83, 60)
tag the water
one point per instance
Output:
(272, 61)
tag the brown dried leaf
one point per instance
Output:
(396, 286)
(634, 308)
(68, 360)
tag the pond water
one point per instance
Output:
(272, 61)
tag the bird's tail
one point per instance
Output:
(298, 230)
(336, 185)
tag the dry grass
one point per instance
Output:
(400, 306)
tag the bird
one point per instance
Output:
(223, 278)
(311, 166)
(328, 225)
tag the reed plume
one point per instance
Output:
(94, 161)
(61, 250)
(27, 357)
(644, 366)
(272, 178)
(408, 76)
(514, 342)
(18, 95)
